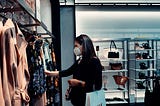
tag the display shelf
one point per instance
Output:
(120, 60)
(140, 60)
(111, 86)
(141, 70)
(141, 51)
(139, 79)
(114, 71)
(117, 102)
(158, 55)
(132, 67)
(117, 98)
(145, 59)
(111, 90)
(142, 64)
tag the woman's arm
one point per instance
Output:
(63, 73)
(76, 82)
(51, 73)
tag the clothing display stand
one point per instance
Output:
(28, 20)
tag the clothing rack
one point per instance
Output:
(20, 5)
(23, 28)
(10, 9)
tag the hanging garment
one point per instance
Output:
(51, 82)
(14, 85)
(37, 84)
(1, 91)
(8, 59)
(23, 75)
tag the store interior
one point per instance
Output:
(126, 25)
(133, 25)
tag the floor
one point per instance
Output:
(137, 104)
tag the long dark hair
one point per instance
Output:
(88, 50)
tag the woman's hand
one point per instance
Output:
(76, 82)
(51, 73)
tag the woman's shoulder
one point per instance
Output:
(96, 62)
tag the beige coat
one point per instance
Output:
(1, 91)
(15, 70)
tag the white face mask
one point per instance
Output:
(77, 51)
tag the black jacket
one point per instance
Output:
(90, 72)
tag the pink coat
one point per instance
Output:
(14, 65)
(1, 91)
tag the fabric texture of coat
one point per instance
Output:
(14, 67)
(1, 90)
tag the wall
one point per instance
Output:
(118, 24)
(67, 29)
(45, 12)
(67, 44)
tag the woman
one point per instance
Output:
(87, 71)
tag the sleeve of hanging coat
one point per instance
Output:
(1, 91)
(22, 65)
(9, 61)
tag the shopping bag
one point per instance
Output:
(95, 98)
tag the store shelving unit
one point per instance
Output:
(142, 64)
(114, 93)
(158, 56)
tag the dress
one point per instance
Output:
(90, 72)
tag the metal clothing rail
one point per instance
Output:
(22, 27)
(23, 5)
(33, 15)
